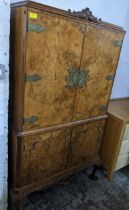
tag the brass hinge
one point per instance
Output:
(33, 77)
(77, 78)
(117, 43)
(103, 108)
(38, 28)
(30, 120)
(110, 77)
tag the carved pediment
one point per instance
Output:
(85, 14)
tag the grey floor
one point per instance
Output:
(81, 193)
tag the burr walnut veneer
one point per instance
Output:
(62, 72)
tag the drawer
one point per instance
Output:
(124, 148)
(126, 134)
(122, 162)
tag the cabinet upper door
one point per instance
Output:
(53, 54)
(99, 62)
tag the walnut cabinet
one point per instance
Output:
(62, 72)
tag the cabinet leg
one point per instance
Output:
(92, 175)
(17, 208)
(15, 201)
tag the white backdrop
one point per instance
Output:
(112, 11)
(4, 93)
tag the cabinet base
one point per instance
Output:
(17, 195)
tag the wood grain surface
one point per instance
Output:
(100, 58)
(50, 54)
(86, 143)
(44, 155)
(49, 153)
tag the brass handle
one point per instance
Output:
(77, 78)
(84, 77)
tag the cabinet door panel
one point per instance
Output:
(44, 155)
(50, 54)
(100, 57)
(85, 143)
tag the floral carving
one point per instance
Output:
(85, 14)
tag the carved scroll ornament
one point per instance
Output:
(85, 14)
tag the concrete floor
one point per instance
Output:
(81, 193)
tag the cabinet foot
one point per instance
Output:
(16, 208)
(92, 175)
(15, 201)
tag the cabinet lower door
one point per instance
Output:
(85, 143)
(42, 155)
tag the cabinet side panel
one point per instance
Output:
(17, 63)
(12, 160)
